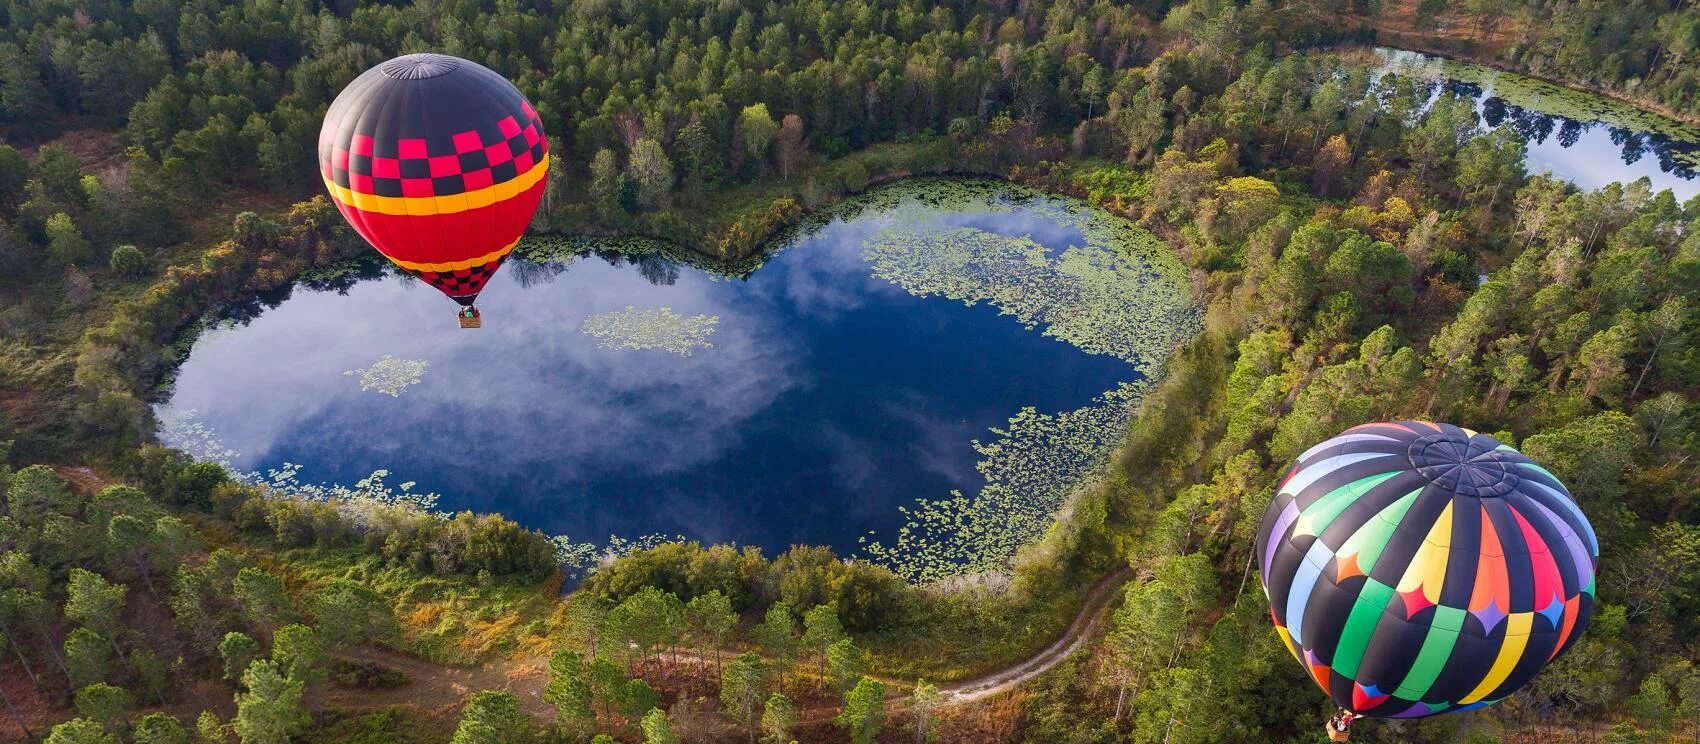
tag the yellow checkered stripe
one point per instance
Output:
(425, 206)
(444, 268)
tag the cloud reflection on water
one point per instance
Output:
(829, 398)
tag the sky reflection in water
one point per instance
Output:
(828, 399)
(1590, 154)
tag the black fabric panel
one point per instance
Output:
(1392, 648)
(1472, 657)
(344, 113)
(1270, 515)
(1584, 615)
(1364, 509)
(1408, 537)
(1463, 557)
(1534, 659)
(469, 98)
(1288, 557)
(1340, 689)
(1325, 615)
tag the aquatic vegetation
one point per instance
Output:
(390, 376)
(574, 555)
(1096, 299)
(186, 432)
(374, 488)
(660, 328)
(1031, 468)
(568, 248)
(1120, 293)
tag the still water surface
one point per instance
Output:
(1583, 138)
(804, 403)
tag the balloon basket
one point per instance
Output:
(471, 318)
(1339, 727)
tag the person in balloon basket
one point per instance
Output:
(1340, 726)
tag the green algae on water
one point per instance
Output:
(1120, 293)
(390, 376)
(660, 328)
(1031, 468)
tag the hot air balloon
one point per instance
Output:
(1417, 568)
(439, 163)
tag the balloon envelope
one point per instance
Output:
(1417, 568)
(439, 163)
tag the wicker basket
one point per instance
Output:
(472, 321)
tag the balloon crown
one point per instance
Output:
(420, 66)
(1466, 463)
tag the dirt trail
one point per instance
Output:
(433, 685)
(83, 479)
(1098, 599)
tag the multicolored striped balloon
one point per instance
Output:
(439, 163)
(1417, 568)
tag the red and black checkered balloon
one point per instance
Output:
(439, 163)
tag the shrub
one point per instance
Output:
(366, 675)
(128, 261)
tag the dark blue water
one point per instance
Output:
(828, 399)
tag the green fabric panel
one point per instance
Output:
(1442, 636)
(1314, 520)
(1354, 637)
(1372, 537)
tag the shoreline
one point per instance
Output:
(1407, 41)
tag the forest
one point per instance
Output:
(1360, 253)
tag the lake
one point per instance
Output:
(1586, 139)
(877, 358)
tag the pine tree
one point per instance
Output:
(567, 690)
(845, 664)
(238, 650)
(657, 729)
(491, 717)
(821, 629)
(864, 711)
(742, 685)
(269, 712)
(777, 634)
(80, 731)
(778, 719)
(159, 728)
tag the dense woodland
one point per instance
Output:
(1644, 50)
(1335, 225)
